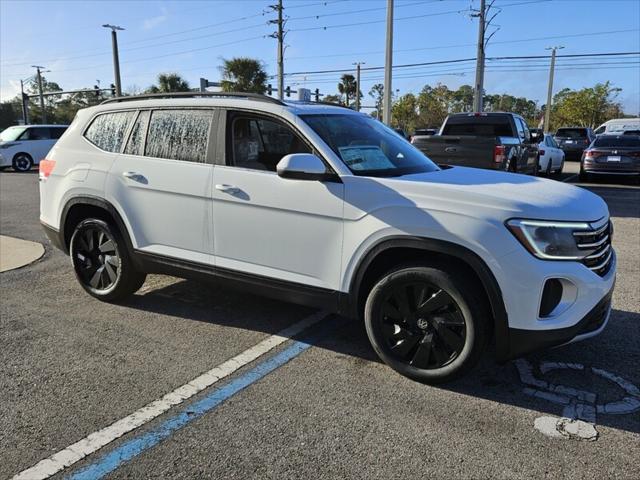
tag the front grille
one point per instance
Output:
(597, 244)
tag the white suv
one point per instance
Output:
(327, 207)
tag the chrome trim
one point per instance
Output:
(599, 254)
(602, 264)
(595, 244)
(588, 233)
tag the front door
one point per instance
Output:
(265, 225)
(162, 182)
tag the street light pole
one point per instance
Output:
(357, 64)
(38, 68)
(547, 110)
(388, 65)
(477, 94)
(116, 59)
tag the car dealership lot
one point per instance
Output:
(73, 365)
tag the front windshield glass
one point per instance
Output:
(11, 134)
(367, 146)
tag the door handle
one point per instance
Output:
(136, 177)
(223, 187)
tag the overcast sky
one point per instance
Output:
(191, 38)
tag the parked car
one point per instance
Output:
(401, 132)
(425, 131)
(498, 141)
(611, 155)
(573, 141)
(328, 207)
(551, 156)
(618, 126)
(537, 134)
(23, 146)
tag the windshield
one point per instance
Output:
(617, 142)
(367, 146)
(11, 134)
(572, 132)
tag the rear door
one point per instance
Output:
(162, 181)
(38, 142)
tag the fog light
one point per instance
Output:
(551, 296)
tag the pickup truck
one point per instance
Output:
(498, 141)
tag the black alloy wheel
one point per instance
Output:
(22, 162)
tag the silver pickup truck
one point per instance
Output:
(499, 141)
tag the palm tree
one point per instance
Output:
(243, 74)
(347, 87)
(169, 82)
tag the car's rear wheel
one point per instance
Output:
(22, 162)
(549, 167)
(426, 323)
(101, 261)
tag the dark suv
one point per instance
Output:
(612, 155)
(574, 140)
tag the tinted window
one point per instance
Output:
(617, 142)
(135, 145)
(572, 132)
(367, 146)
(11, 134)
(260, 143)
(179, 135)
(107, 130)
(485, 126)
(36, 133)
(56, 132)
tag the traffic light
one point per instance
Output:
(317, 93)
(269, 89)
(113, 90)
(96, 90)
(288, 91)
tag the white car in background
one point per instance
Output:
(551, 156)
(23, 146)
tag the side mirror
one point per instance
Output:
(303, 166)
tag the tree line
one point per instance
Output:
(587, 107)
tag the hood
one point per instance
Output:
(474, 192)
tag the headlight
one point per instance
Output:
(549, 240)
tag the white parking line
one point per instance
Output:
(97, 440)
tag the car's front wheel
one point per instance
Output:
(22, 162)
(101, 261)
(426, 323)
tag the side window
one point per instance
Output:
(525, 135)
(135, 145)
(36, 133)
(260, 143)
(56, 132)
(179, 135)
(107, 130)
(519, 127)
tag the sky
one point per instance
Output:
(192, 37)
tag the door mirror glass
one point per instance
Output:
(302, 166)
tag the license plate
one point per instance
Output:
(613, 159)
(569, 141)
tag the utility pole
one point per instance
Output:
(39, 75)
(279, 35)
(116, 59)
(25, 111)
(357, 64)
(479, 86)
(388, 65)
(547, 110)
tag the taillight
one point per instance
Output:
(46, 167)
(499, 154)
(541, 152)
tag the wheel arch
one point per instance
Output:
(390, 251)
(80, 207)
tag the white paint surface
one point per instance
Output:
(100, 438)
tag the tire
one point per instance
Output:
(558, 172)
(548, 170)
(22, 162)
(584, 176)
(426, 323)
(101, 261)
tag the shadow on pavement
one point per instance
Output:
(195, 301)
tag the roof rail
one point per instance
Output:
(245, 95)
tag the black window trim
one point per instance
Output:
(224, 160)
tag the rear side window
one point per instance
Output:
(489, 126)
(36, 133)
(572, 132)
(617, 142)
(107, 130)
(56, 132)
(179, 135)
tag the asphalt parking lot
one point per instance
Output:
(319, 404)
